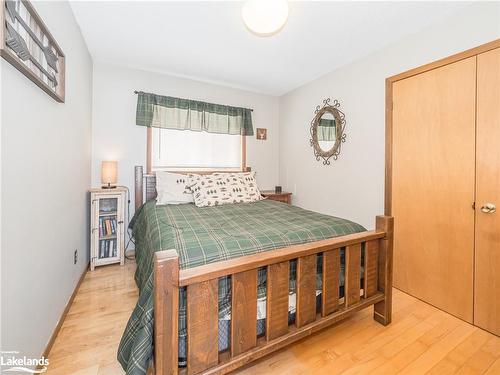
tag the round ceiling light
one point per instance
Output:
(265, 17)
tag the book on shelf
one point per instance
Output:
(107, 226)
(108, 248)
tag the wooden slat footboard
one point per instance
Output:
(202, 299)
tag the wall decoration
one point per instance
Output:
(327, 131)
(261, 134)
(27, 44)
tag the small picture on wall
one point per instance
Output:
(261, 134)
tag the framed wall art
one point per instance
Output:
(261, 134)
(26, 43)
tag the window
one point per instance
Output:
(185, 150)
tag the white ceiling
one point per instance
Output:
(208, 41)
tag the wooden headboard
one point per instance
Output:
(145, 184)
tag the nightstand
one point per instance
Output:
(284, 196)
(107, 232)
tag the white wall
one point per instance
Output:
(45, 173)
(353, 186)
(115, 136)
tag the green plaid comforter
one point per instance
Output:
(207, 235)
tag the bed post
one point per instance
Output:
(138, 186)
(166, 312)
(382, 311)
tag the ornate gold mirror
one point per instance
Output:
(327, 131)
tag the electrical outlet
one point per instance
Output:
(75, 257)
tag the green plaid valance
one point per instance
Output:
(326, 130)
(184, 114)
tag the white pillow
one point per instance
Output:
(209, 190)
(172, 188)
(242, 186)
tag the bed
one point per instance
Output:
(222, 286)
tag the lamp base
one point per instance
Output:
(108, 186)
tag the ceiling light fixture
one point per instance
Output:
(265, 17)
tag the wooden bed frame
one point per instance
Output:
(202, 294)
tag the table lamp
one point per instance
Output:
(109, 173)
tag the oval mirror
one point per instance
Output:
(327, 131)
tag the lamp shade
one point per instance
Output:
(109, 172)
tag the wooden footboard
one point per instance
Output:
(202, 298)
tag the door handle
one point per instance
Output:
(489, 208)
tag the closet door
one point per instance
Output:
(487, 260)
(433, 186)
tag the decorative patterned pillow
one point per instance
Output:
(209, 190)
(242, 186)
(172, 188)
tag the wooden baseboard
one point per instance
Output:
(63, 317)
(130, 254)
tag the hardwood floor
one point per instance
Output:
(89, 337)
(420, 340)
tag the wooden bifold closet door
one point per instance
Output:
(443, 181)
(433, 169)
(487, 249)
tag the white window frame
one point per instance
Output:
(149, 159)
